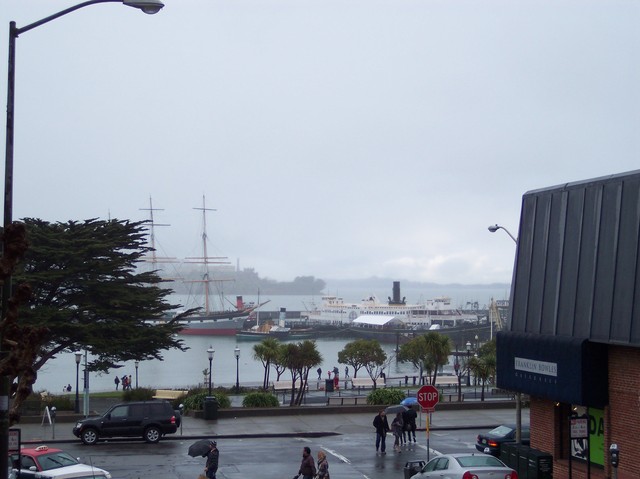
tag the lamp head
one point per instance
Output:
(136, 364)
(149, 7)
(78, 357)
(468, 346)
(237, 352)
(210, 352)
(494, 228)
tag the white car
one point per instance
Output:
(466, 466)
(44, 462)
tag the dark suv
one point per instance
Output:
(149, 420)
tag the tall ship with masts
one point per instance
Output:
(218, 316)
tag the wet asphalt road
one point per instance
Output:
(350, 456)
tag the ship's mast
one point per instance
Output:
(155, 259)
(206, 260)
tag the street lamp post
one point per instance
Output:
(493, 229)
(468, 345)
(85, 399)
(456, 367)
(237, 353)
(78, 359)
(137, 363)
(210, 352)
(147, 6)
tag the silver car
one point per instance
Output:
(466, 466)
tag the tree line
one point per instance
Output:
(428, 353)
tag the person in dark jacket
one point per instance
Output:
(382, 427)
(308, 465)
(409, 417)
(212, 461)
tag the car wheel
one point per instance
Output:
(152, 434)
(89, 436)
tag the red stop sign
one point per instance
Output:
(428, 396)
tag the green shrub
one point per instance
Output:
(386, 396)
(260, 399)
(194, 400)
(61, 403)
(138, 394)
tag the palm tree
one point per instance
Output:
(266, 352)
(300, 358)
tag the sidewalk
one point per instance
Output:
(309, 425)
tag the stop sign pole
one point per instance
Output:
(428, 396)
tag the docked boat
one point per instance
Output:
(266, 330)
(334, 311)
(269, 330)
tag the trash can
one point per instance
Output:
(328, 385)
(412, 467)
(513, 456)
(540, 464)
(506, 449)
(210, 407)
(523, 461)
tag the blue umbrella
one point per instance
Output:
(410, 401)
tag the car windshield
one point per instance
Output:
(479, 461)
(55, 460)
(501, 431)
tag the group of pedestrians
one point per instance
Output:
(126, 382)
(403, 428)
(308, 468)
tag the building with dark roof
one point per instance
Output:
(573, 339)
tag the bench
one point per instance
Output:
(346, 400)
(446, 381)
(285, 386)
(363, 383)
(169, 394)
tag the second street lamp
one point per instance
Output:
(210, 352)
(78, 359)
(468, 359)
(137, 363)
(237, 353)
(493, 229)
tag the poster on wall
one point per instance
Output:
(579, 445)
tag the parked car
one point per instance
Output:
(466, 466)
(149, 420)
(501, 434)
(45, 462)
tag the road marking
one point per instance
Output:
(429, 450)
(335, 454)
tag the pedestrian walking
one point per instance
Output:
(319, 371)
(307, 466)
(117, 382)
(396, 427)
(323, 466)
(382, 427)
(211, 466)
(346, 372)
(409, 418)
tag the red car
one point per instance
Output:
(48, 462)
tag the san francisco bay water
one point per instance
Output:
(184, 369)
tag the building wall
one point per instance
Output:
(550, 426)
(624, 408)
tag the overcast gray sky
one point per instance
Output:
(340, 139)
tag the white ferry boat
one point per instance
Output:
(334, 311)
